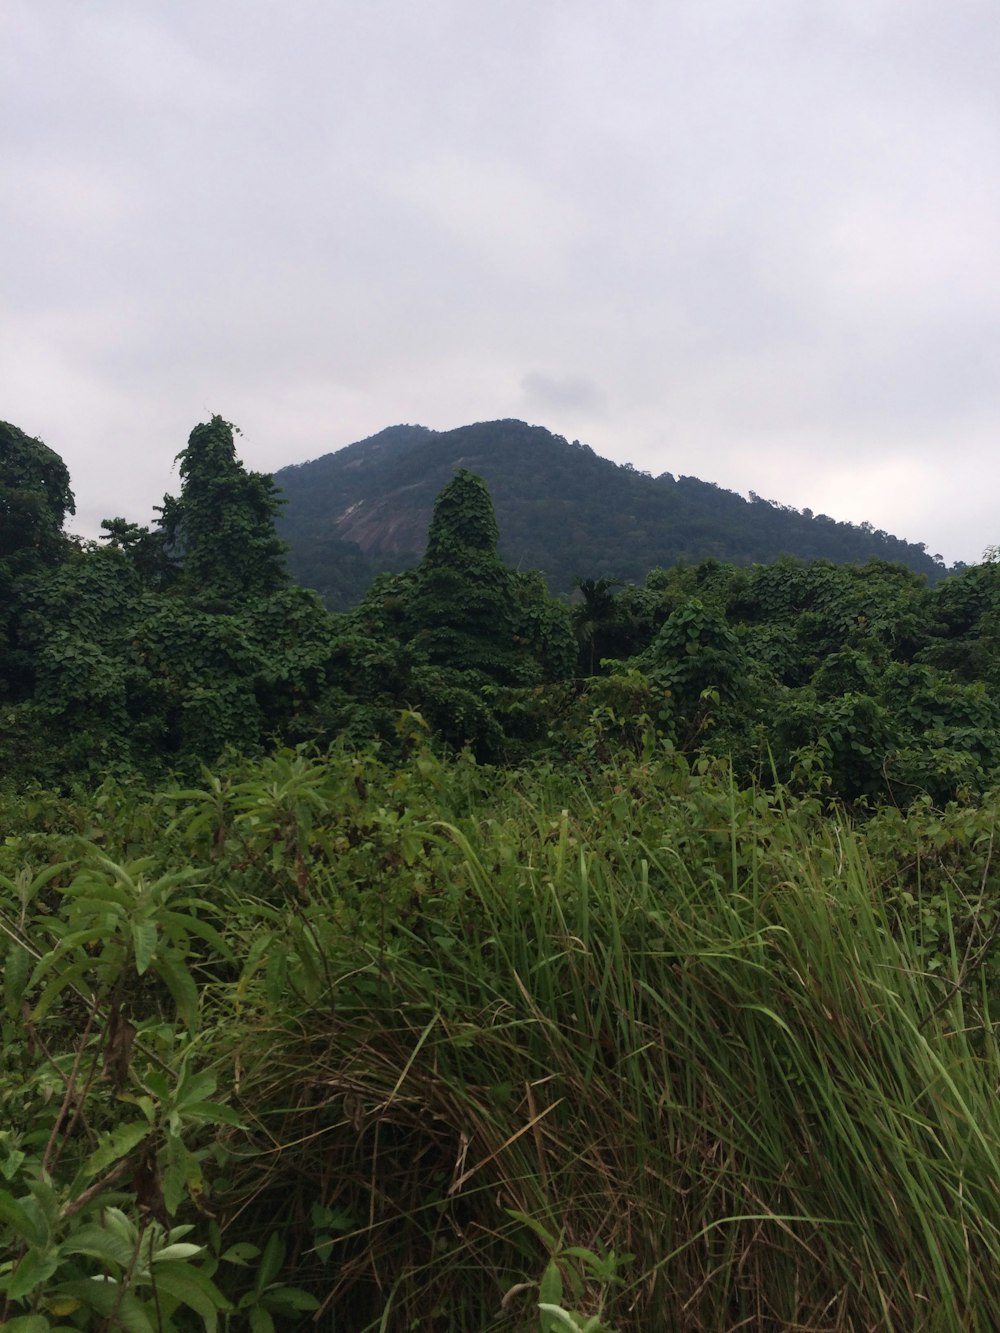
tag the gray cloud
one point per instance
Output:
(754, 243)
(577, 396)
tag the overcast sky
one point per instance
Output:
(756, 241)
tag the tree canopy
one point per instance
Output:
(35, 498)
(221, 530)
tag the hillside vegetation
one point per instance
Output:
(471, 961)
(561, 509)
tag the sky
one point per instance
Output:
(753, 241)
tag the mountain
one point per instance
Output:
(561, 509)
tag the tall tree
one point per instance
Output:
(221, 528)
(462, 612)
(35, 498)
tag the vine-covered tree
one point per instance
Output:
(221, 529)
(35, 498)
(470, 611)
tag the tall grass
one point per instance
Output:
(651, 1016)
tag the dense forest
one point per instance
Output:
(477, 958)
(561, 509)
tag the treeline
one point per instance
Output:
(157, 649)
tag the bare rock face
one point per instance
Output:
(395, 524)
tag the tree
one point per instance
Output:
(221, 530)
(35, 498)
(462, 613)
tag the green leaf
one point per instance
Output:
(13, 1164)
(15, 977)
(116, 1144)
(241, 1254)
(176, 923)
(270, 1262)
(144, 940)
(170, 968)
(100, 1243)
(214, 1112)
(173, 1182)
(28, 1228)
(35, 1267)
(260, 1320)
(550, 1241)
(194, 1088)
(555, 1318)
(60, 982)
(550, 1288)
(180, 1176)
(178, 1250)
(290, 1298)
(192, 1287)
(27, 1323)
(158, 1085)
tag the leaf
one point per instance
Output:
(100, 1243)
(180, 1250)
(28, 1228)
(15, 977)
(60, 982)
(546, 1237)
(550, 1288)
(15, 1159)
(170, 968)
(156, 1082)
(191, 1286)
(61, 1305)
(176, 923)
(174, 1176)
(194, 1088)
(214, 1112)
(27, 1323)
(117, 1144)
(34, 1268)
(270, 1262)
(240, 1254)
(31, 890)
(290, 1298)
(173, 1182)
(144, 940)
(768, 1013)
(555, 1317)
(260, 1320)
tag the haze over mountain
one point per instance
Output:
(560, 507)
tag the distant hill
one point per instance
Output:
(561, 509)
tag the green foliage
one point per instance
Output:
(560, 508)
(448, 1046)
(461, 613)
(221, 529)
(35, 498)
(100, 1076)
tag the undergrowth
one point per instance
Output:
(320, 1042)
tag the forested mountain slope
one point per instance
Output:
(560, 508)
